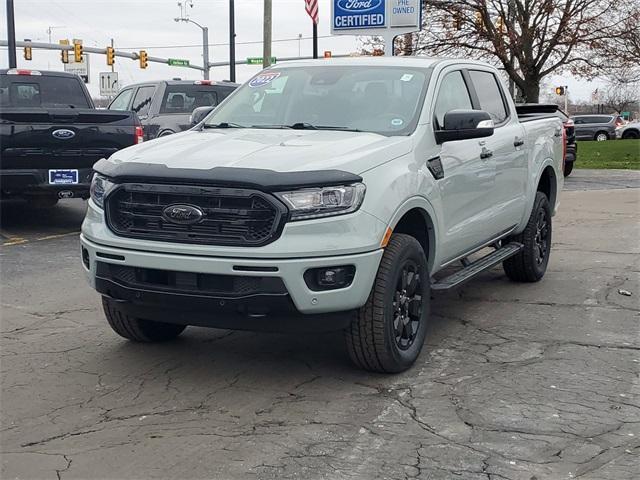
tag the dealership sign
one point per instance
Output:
(387, 18)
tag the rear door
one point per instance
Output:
(507, 148)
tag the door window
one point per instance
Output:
(489, 95)
(453, 95)
(142, 100)
(121, 102)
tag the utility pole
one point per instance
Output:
(266, 35)
(232, 42)
(11, 35)
(112, 69)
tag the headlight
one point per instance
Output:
(323, 202)
(100, 186)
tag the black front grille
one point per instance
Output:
(234, 217)
(202, 284)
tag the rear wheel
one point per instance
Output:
(530, 264)
(138, 329)
(568, 168)
(389, 330)
(601, 136)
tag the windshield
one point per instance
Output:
(383, 100)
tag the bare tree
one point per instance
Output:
(529, 39)
(621, 93)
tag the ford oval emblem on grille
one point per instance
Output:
(63, 134)
(182, 214)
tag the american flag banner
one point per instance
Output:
(311, 6)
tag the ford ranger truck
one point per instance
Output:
(326, 195)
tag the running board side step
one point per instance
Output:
(480, 265)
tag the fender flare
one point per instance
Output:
(421, 203)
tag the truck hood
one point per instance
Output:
(278, 150)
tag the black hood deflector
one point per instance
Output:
(256, 178)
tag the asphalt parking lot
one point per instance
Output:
(516, 381)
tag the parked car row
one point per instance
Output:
(51, 134)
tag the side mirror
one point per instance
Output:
(199, 113)
(465, 124)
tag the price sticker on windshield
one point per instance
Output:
(263, 79)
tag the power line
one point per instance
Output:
(221, 44)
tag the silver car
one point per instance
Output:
(597, 127)
(630, 130)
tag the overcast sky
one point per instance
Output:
(149, 24)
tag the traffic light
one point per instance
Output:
(479, 21)
(77, 51)
(64, 54)
(500, 24)
(27, 53)
(111, 56)
(559, 90)
(144, 62)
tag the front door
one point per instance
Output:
(469, 175)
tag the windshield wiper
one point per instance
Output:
(223, 125)
(308, 126)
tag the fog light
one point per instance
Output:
(329, 278)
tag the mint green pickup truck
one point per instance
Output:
(326, 195)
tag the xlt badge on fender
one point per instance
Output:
(182, 214)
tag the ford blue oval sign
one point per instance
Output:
(358, 14)
(63, 134)
(183, 214)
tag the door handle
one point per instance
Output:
(518, 142)
(486, 153)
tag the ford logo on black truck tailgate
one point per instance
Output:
(182, 214)
(63, 133)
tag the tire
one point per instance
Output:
(530, 264)
(601, 136)
(380, 339)
(138, 329)
(630, 134)
(568, 168)
(166, 133)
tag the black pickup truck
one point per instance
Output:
(51, 135)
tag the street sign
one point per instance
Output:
(177, 62)
(108, 84)
(258, 60)
(79, 68)
(386, 18)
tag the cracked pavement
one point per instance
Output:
(518, 382)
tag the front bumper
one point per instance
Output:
(298, 301)
(19, 182)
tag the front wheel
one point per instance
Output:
(530, 264)
(389, 330)
(601, 137)
(138, 329)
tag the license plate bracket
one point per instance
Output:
(63, 177)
